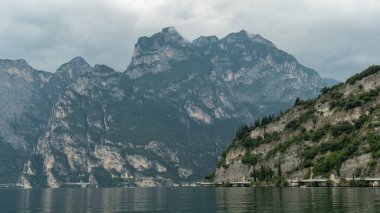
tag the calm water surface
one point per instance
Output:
(191, 200)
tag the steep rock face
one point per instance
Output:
(79, 141)
(27, 96)
(22, 92)
(22, 114)
(214, 84)
(166, 118)
(67, 74)
(336, 133)
(241, 75)
(153, 54)
(92, 135)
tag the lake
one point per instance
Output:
(191, 199)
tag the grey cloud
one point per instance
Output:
(337, 38)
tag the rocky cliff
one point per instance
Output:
(22, 114)
(167, 117)
(335, 133)
(27, 96)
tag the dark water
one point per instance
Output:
(191, 200)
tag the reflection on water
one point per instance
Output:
(191, 200)
(298, 199)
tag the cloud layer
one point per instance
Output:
(335, 37)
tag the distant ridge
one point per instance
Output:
(329, 82)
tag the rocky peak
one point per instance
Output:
(241, 36)
(168, 36)
(74, 67)
(205, 40)
(258, 38)
(156, 51)
(78, 60)
(171, 34)
(103, 70)
(66, 74)
(18, 63)
(19, 69)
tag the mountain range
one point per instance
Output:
(162, 121)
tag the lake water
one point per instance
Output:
(191, 199)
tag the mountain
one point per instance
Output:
(22, 114)
(27, 96)
(329, 82)
(165, 119)
(336, 133)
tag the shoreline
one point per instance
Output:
(344, 182)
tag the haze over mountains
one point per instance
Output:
(164, 120)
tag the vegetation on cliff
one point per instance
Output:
(336, 133)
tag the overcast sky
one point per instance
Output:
(335, 37)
